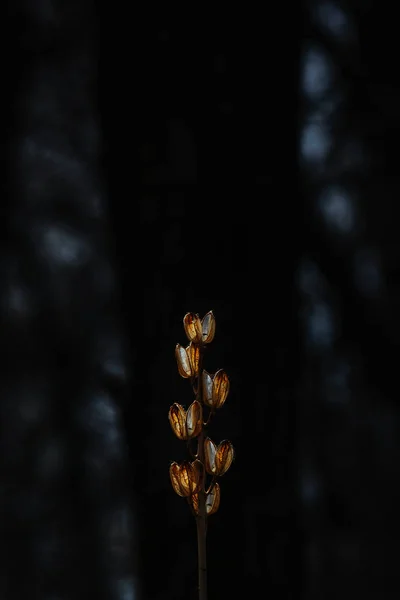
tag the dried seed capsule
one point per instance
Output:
(220, 388)
(193, 352)
(193, 327)
(210, 451)
(189, 478)
(213, 499)
(185, 478)
(208, 327)
(183, 361)
(223, 457)
(177, 418)
(175, 475)
(207, 387)
(194, 419)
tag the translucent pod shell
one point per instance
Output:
(193, 352)
(177, 419)
(193, 327)
(185, 478)
(219, 458)
(186, 424)
(213, 499)
(208, 327)
(194, 419)
(224, 457)
(183, 362)
(215, 388)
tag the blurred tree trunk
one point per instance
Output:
(348, 404)
(66, 524)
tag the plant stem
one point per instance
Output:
(201, 519)
(201, 528)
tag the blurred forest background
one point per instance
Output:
(156, 161)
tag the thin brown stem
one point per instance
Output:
(202, 528)
(201, 519)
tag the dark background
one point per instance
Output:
(157, 161)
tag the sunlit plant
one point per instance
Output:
(197, 479)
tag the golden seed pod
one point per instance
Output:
(186, 424)
(193, 328)
(207, 385)
(194, 419)
(217, 459)
(193, 352)
(185, 478)
(208, 327)
(210, 451)
(224, 457)
(174, 473)
(215, 388)
(191, 475)
(212, 501)
(183, 361)
(177, 419)
(220, 388)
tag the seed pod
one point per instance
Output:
(193, 352)
(193, 327)
(220, 388)
(208, 327)
(175, 475)
(223, 457)
(183, 361)
(177, 418)
(213, 499)
(210, 451)
(207, 387)
(194, 420)
(217, 459)
(185, 478)
(215, 388)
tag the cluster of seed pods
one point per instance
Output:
(211, 390)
